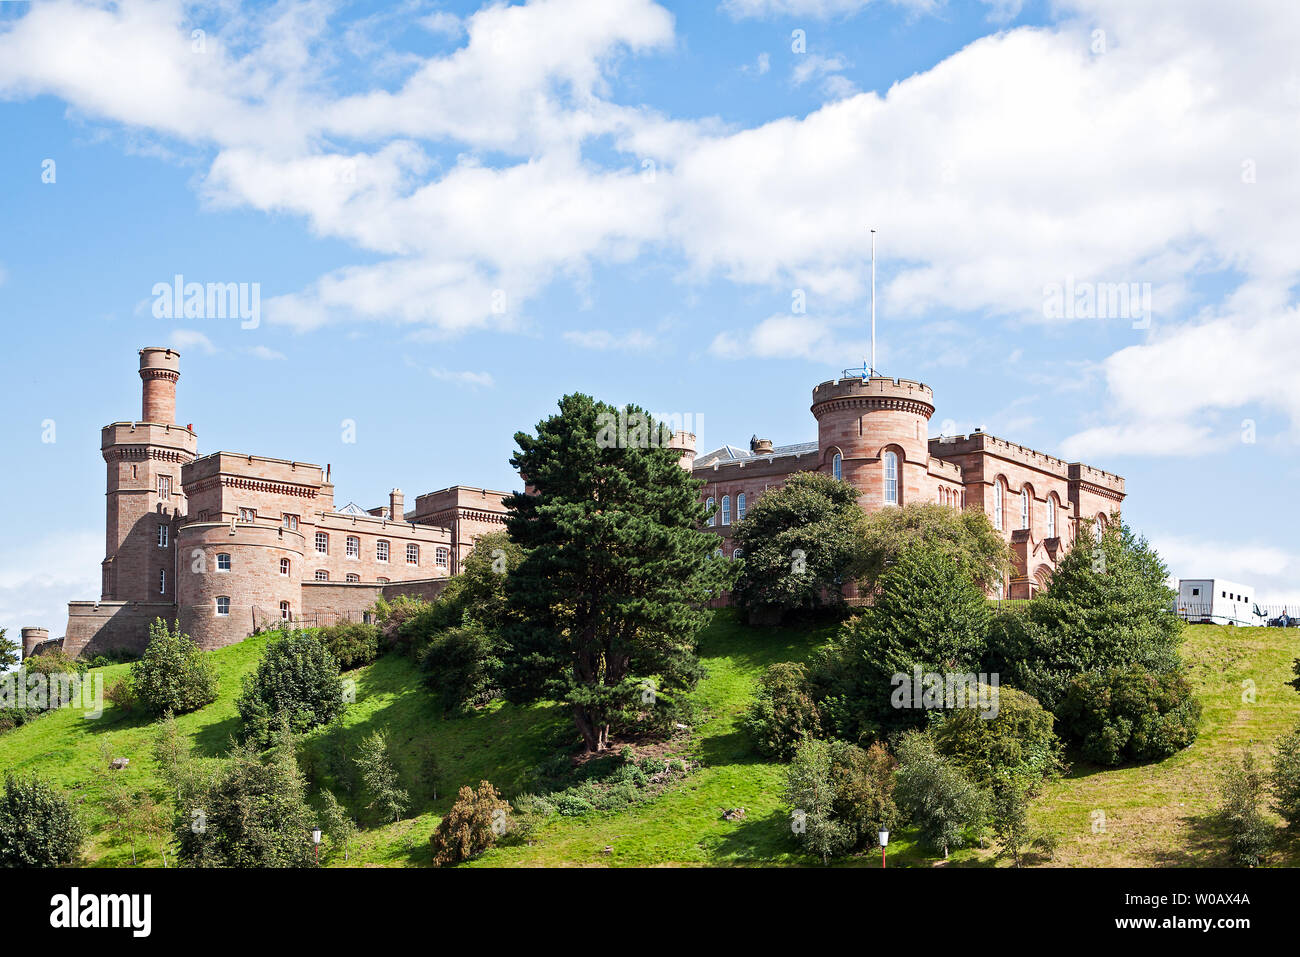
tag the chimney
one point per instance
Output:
(760, 446)
(159, 370)
(396, 504)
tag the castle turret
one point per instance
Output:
(160, 370)
(878, 427)
(684, 443)
(33, 638)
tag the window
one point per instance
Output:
(289, 521)
(1024, 508)
(353, 578)
(322, 575)
(713, 519)
(740, 507)
(441, 556)
(322, 543)
(1051, 516)
(726, 510)
(223, 562)
(162, 581)
(248, 515)
(353, 549)
(737, 553)
(223, 606)
(997, 505)
(162, 536)
(412, 553)
(383, 581)
(284, 566)
(164, 486)
(284, 610)
(891, 478)
(837, 466)
(381, 551)
(1195, 592)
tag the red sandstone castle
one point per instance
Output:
(229, 543)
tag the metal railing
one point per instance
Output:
(1238, 613)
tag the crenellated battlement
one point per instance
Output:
(877, 392)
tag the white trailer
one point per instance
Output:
(1218, 601)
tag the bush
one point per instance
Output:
(172, 675)
(841, 795)
(402, 623)
(352, 643)
(964, 535)
(1016, 746)
(298, 678)
(54, 661)
(471, 826)
(936, 797)
(783, 712)
(1285, 779)
(122, 693)
(38, 826)
(1129, 713)
(1251, 836)
(462, 666)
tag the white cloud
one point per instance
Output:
(820, 9)
(785, 336)
(190, 339)
(38, 580)
(603, 339)
(265, 353)
(1273, 572)
(473, 379)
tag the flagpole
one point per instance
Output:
(873, 304)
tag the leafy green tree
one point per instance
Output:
(297, 677)
(1251, 836)
(173, 674)
(606, 605)
(1129, 713)
(478, 593)
(462, 666)
(475, 822)
(800, 544)
(1285, 778)
(1107, 605)
(783, 712)
(839, 796)
(934, 796)
(1016, 745)
(352, 643)
(336, 823)
(380, 778)
(926, 614)
(1010, 819)
(965, 536)
(10, 652)
(38, 825)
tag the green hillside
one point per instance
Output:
(1155, 815)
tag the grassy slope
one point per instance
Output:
(1155, 814)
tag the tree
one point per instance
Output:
(380, 779)
(472, 825)
(783, 712)
(38, 826)
(800, 544)
(604, 609)
(1251, 836)
(1129, 713)
(1107, 605)
(297, 677)
(927, 614)
(336, 823)
(462, 666)
(10, 652)
(1014, 746)
(173, 674)
(945, 806)
(965, 536)
(1285, 779)
(840, 796)
(478, 593)
(1010, 810)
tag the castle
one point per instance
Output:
(229, 543)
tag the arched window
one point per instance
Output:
(737, 553)
(997, 505)
(322, 575)
(352, 578)
(713, 517)
(837, 466)
(284, 566)
(1024, 508)
(284, 611)
(1051, 515)
(726, 510)
(740, 507)
(223, 606)
(891, 478)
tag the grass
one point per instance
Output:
(1155, 815)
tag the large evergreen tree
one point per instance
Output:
(964, 535)
(605, 607)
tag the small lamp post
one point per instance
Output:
(315, 839)
(884, 843)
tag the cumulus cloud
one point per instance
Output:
(190, 339)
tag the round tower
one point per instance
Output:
(33, 638)
(160, 369)
(879, 428)
(684, 444)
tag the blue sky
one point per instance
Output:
(456, 213)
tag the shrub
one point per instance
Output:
(1285, 778)
(54, 661)
(352, 643)
(471, 826)
(1129, 713)
(1251, 836)
(298, 678)
(1015, 745)
(172, 674)
(946, 807)
(401, 623)
(841, 795)
(38, 826)
(122, 693)
(964, 535)
(783, 712)
(462, 666)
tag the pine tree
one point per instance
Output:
(10, 653)
(607, 603)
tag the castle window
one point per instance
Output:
(381, 551)
(1051, 515)
(162, 581)
(322, 543)
(248, 515)
(997, 505)
(891, 478)
(412, 553)
(289, 521)
(284, 611)
(164, 486)
(162, 536)
(837, 466)
(353, 578)
(353, 549)
(1024, 509)
(713, 518)
(740, 507)
(284, 566)
(441, 557)
(737, 553)
(223, 562)
(383, 581)
(322, 575)
(726, 510)
(223, 606)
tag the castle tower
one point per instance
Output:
(684, 444)
(879, 428)
(33, 638)
(145, 498)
